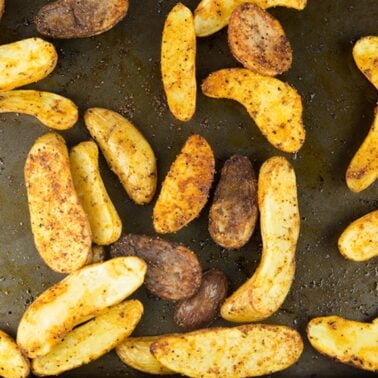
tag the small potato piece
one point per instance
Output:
(59, 224)
(173, 273)
(79, 18)
(54, 111)
(202, 308)
(98, 254)
(90, 341)
(105, 223)
(2, 5)
(25, 62)
(348, 341)
(178, 62)
(258, 41)
(359, 242)
(186, 187)
(363, 169)
(263, 294)
(135, 352)
(79, 297)
(127, 152)
(245, 351)
(13, 364)
(365, 54)
(275, 107)
(233, 214)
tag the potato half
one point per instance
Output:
(275, 107)
(79, 297)
(263, 294)
(25, 62)
(347, 341)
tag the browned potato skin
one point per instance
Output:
(2, 4)
(258, 41)
(202, 309)
(173, 271)
(233, 214)
(79, 18)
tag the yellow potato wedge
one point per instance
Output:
(359, 241)
(79, 297)
(365, 54)
(186, 187)
(90, 341)
(363, 169)
(54, 111)
(245, 351)
(263, 294)
(275, 107)
(105, 223)
(135, 352)
(348, 341)
(127, 152)
(25, 62)
(13, 363)
(213, 15)
(59, 224)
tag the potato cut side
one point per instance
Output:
(347, 341)
(54, 111)
(127, 152)
(363, 169)
(79, 297)
(245, 351)
(186, 187)
(263, 294)
(213, 15)
(13, 364)
(135, 352)
(105, 223)
(25, 62)
(365, 54)
(91, 340)
(59, 224)
(178, 62)
(275, 107)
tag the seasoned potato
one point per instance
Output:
(365, 54)
(363, 169)
(135, 352)
(186, 187)
(178, 62)
(212, 15)
(90, 341)
(98, 254)
(263, 294)
(79, 297)
(59, 224)
(233, 214)
(359, 242)
(258, 41)
(275, 107)
(127, 152)
(79, 18)
(348, 341)
(13, 364)
(105, 223)
(245, 351)
(54, 111)
(173, 273)
(25, 62)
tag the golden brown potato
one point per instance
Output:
(275, 107)
(178, 62)
(79, 18)
(2, 5)
(186, 187)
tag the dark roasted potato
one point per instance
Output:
(79, 18)
(201, 309)
(233, 214)
(173, 272)
(2, 7)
